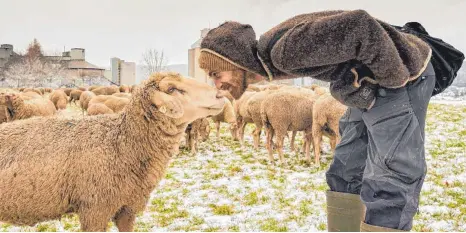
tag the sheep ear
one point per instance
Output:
(167, 105)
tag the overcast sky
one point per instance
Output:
(125, 28)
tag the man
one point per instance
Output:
(385, 78)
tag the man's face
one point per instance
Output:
(231, 81)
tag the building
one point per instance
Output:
(76, 64)
(6, 54)
(121, 72)
(194, 70)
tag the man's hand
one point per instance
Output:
(353, 92)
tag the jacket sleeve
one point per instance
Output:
(338, 38)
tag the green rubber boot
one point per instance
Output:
(370, 228)
(345, 212)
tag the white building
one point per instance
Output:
(121, 72)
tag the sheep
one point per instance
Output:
(49, 90)
(42, 90)
(116, 104)
(84, 99)
(82, 88)
(123, 95)
(253, 105)
(75, 95)
(228, 116)
(17, 108)
(32, 90)
(106, 90)
(326, 115)
(98, 109)
(242, 114)
(124, 89)
(59, 99)
(287, 110)
(4, 116)
(318, 89)
(197, 131)
(100, 167)
(67, 91)
(30, 95)
(91, 88)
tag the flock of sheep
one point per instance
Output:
(278, 109)
(104, 167)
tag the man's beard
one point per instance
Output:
(239, 82)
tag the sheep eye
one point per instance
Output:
(171, 90)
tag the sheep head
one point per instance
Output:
(183, 99)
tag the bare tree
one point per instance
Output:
(153, 61)
(33, 72)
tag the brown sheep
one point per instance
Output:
(75, 95)
(116, 104)
(123, 95)
(124, 89)
(21, 89)
(242, 114)
(326, 115)
(82, 88)
(4, 116)
(253, 105)
(91, 88)
(197, 131)
(228, 116)
(18, 109)
(59, 99)
(318, 89)
(32, 90)
(84, 99)
(67, 91)
(29, 95)
(98, 109)
(106, 90)
(101, 167)
(287, 110)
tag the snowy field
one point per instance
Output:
(229, 188)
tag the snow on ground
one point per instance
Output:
(229, 188)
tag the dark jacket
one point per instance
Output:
(350, 49)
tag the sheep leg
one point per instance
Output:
(333, 142)
(217, 126)
(317, 137)
(293, 135)
(233, 132)
(279, 143)
(124, 220)
(94, 220)
(241, 132)
(257, 133)
(269, 134)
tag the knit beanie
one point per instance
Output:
(230, 46)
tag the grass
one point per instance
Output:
(273, 225)
(222, 209)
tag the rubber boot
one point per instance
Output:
(370, 228)
(345, 212)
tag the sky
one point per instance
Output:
(126, 28)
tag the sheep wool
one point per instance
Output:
(99, 167)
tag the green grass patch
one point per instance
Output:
(222, 209)
(273, 225)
